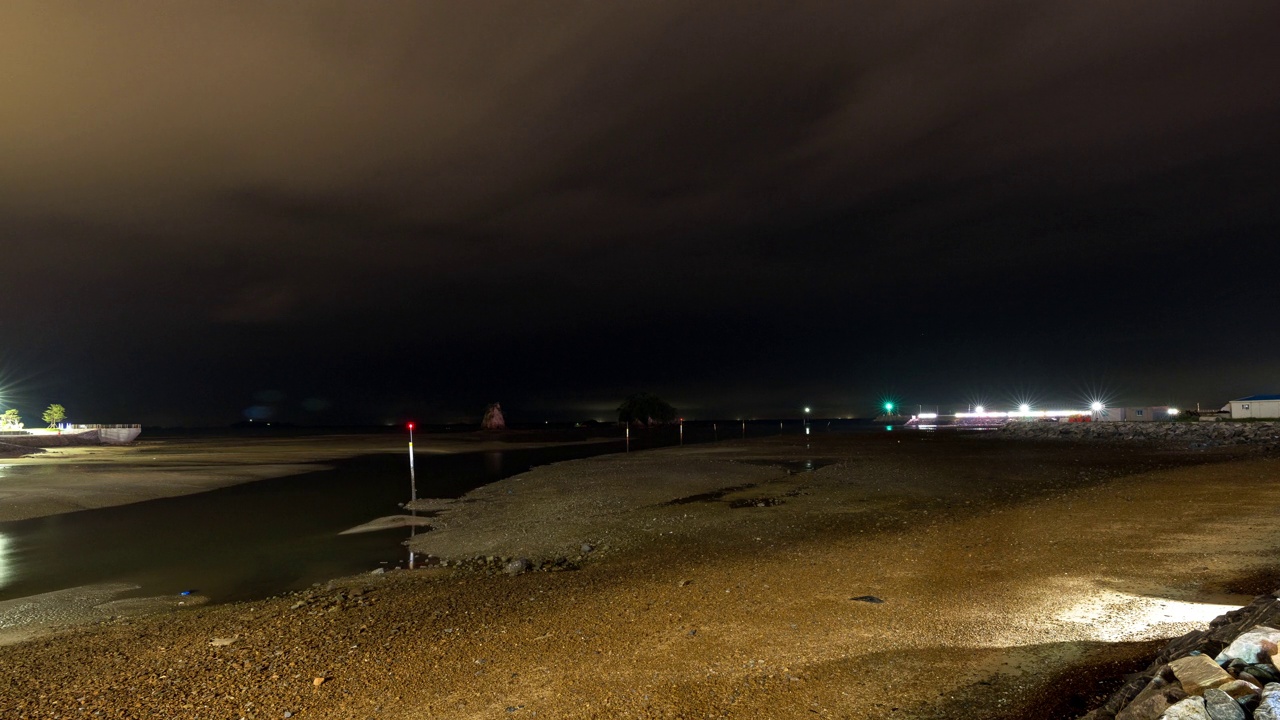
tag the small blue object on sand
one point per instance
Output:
(186, 592)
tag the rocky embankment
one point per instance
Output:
(1193, 435)
(19, 445)
(68, 439)
(1227, 672)
(13, 451)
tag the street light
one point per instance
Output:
(980, 409)
(888, 407)
(1024, 408)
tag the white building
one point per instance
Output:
(1255, 406)
(1134, 414)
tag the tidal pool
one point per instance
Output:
(250, 540)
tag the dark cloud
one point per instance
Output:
(419, 207)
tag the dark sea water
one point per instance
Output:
(249, 540)
(269, 536)
(261, 538)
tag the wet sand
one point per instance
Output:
(1006, 572)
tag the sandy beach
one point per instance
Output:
(904, 575)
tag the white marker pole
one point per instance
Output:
(628, 437)
(413, 480)
(413, 495)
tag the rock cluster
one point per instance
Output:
(495, 565)
(1194, 435)
(1227, 672)
(322, 601)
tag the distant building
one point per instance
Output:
(1134, 414)
(1255, 406)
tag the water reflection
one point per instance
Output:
(4, 560)
(493, 462)
(252, 540)
(413, 531)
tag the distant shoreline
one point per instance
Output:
(94, 476)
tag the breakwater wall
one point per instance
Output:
(1194, 435)
(46, 440)
(19, 445)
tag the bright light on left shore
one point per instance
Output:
(1024, 408)
(1095, 406)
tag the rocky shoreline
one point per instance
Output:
(1226, 672)
(1190, 435)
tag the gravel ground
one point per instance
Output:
(910, 575)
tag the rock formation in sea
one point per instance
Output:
(493, 419)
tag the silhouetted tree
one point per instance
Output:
(645, 409)
(54, 414)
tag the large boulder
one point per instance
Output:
(1198, 673)
(1256, 645)
(1221, 706)
(1239, 689)
(1269, 708)
(1190, 709)
(1157, 697)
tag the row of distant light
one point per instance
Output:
(1019, 413)
(1024, 410)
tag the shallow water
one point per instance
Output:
(269, 536)
(250, 540)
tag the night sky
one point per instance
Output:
(361, 212)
